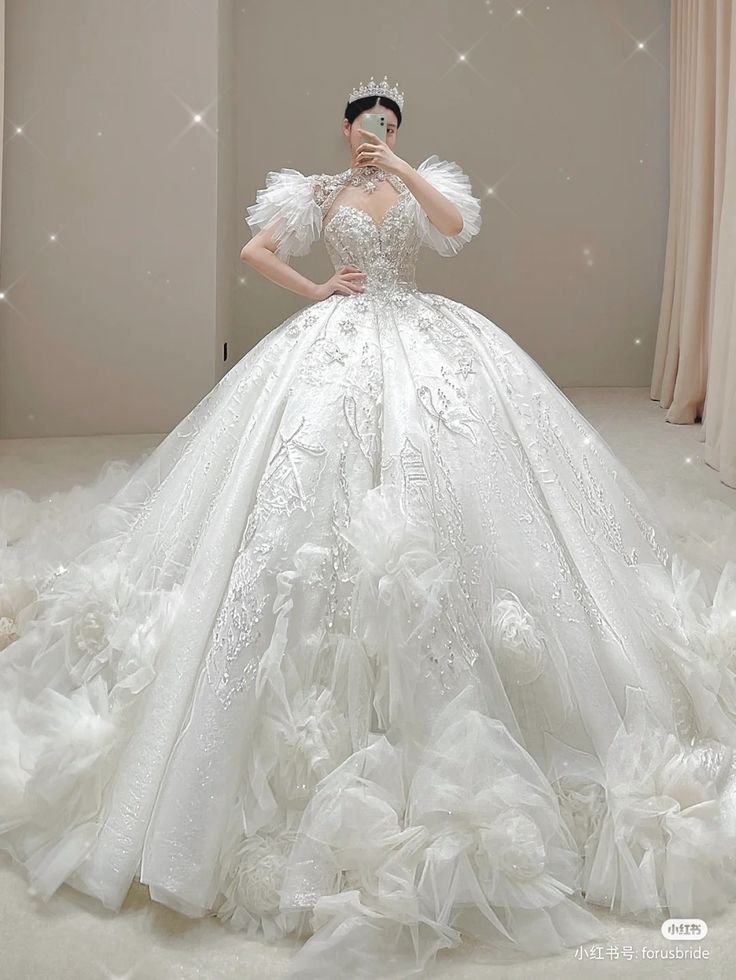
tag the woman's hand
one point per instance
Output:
(377, 153)
(345, 281)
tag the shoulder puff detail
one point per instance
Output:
(287, 205)
(451, 181)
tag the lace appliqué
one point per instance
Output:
(287, 486)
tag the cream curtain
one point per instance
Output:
(694, 373)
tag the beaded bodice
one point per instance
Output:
(386, 252)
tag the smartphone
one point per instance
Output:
(374, 122)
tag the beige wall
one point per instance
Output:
(112, 327)
(557, 109)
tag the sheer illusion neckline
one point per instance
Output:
(351, 207)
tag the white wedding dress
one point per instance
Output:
(380, 648)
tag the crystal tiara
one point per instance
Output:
(378, 88)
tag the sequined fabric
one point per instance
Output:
(386, 252)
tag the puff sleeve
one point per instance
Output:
(451, 181)
(287, 205)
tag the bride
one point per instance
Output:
(381, 648)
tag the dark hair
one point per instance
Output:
(354, 109)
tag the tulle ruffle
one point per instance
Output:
(441, 828)
(287, 205)
(454, 183)
(651, 820)
(449, 829)
(425, 768)
(81, 638)
(406, 844)
(410, 855)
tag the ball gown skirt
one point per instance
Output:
(381, 648)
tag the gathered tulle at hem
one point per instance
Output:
(310, 670)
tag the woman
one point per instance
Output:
(381, 647)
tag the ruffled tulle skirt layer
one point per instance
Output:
(381, 648)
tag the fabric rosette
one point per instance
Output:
(467, 839)
(648, 819)
(400, 584)
(515, 639)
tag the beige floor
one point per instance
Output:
(72, 937)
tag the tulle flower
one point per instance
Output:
(660, 841)
(515, 639)
(16, 594)
(114, 626)
(314, 739)
(583, 805)
(503, 843)
(8, 630)
(387, 539)
(54, 759)
(469, 839)
(400, 584)
(252, 884)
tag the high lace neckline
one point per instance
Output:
(367, 177)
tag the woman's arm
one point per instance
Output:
(259, 253)
(443, 214)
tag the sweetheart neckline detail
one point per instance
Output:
(350, 207)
